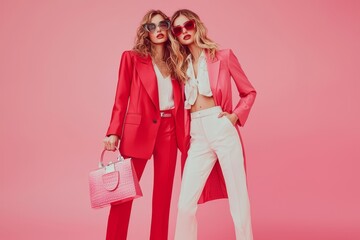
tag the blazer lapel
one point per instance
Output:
(147, 76)
(177, 93)
(213, 66)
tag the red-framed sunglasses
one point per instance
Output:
(189, 25)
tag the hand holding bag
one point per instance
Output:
(114, 183)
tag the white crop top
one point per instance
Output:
(200, 84)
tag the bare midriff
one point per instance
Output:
(202, 102)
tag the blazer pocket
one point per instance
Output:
(132, 118)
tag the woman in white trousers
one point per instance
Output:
(215, 152)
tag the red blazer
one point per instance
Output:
(136, 113)
(224, 66)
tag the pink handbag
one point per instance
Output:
(114, 183)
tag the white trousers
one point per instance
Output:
(213, 138)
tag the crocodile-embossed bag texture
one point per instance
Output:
(114, 183)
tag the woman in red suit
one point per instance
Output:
(214, 166)
(147, 119)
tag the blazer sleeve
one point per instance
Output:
(246, 90)
(122, 95)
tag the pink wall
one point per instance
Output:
(58, 68)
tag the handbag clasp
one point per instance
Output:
(110, 167)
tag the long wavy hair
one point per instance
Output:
(180, 52)
(143, 45)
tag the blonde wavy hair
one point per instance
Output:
(143, 45)
(180, 52)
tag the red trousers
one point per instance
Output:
(164, 156)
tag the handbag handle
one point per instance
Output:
(101, 163)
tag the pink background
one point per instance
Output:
(58, 72)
